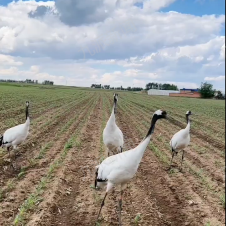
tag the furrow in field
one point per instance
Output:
(34, 175)
(136, 199)
(182, 105)
(38, 131)
(210, 127)
(70, 198)
(13, 111)
(206, 163)
(214, 142)
(26, 160)
(203, 209)
(172, 130)
(37, 113)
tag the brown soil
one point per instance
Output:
(159, 196)
(13, 198)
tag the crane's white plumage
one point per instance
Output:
(112, 135)
(119, 169)
(16, 135)
(181, 139)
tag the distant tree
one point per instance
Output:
(19, 81)
(96, 86)
(219, 95)
(46, 82)
(169, 87)
(107, 87)
(152, 85)
(29, 81)
(137, 89)
(207, 90)
(160, 86)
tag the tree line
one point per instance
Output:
(99, 86)
(207, 91)
(28, 81)
(161, 86)
(148, 86)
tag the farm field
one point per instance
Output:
(54, 183)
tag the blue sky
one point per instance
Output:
(5, 2)
(198, 7)
(121, 47)
(195, 7)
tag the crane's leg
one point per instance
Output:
(173, 154)
(182, 160)
(121, 149)
(8, 149)
(102, 205)
(15, 148)
(120, 208)
(109, 187)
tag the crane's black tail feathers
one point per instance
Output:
(1, 141)
(96, 179)
(174, 151)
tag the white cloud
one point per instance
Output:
(33, 73)
(124, 33)
(109, 41)
(9, 60)
(222, 52)
(153, 5)
(9, 71)
(219, 78)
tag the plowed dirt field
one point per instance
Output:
(53, 183)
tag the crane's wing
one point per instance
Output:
(11, 134)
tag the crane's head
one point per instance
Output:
(188, 113)
(27, 103)
(159, 114)
(115, 97)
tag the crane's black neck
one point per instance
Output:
(27, 112)
(188, 118)
(1, 141)
(115, 105)
(152, 128)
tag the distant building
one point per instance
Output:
(193, 93)
(157, 92)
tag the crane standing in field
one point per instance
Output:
(112, 135)
(16, 135)
(121, 168)
(181, 140)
